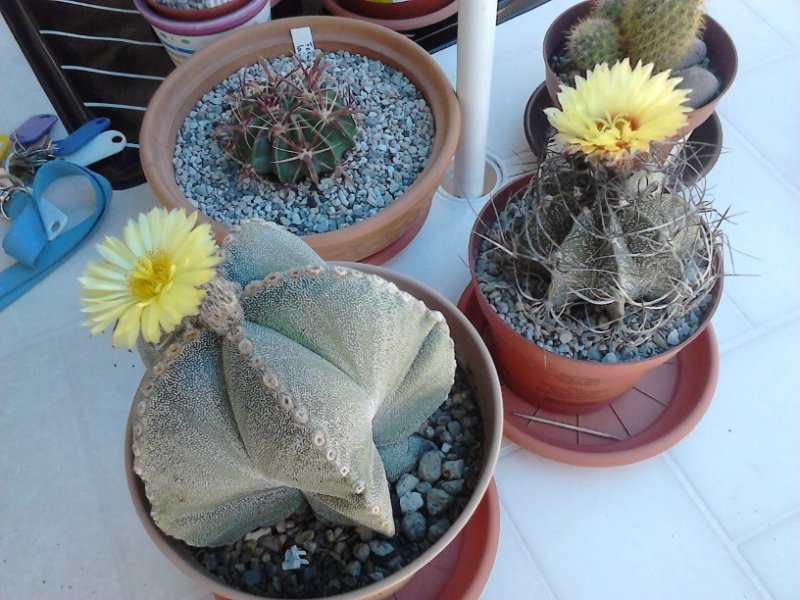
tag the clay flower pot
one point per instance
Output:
(721, 54)
(397, 16)
(467, 549)
(185, 86)
(547, 379)
(222, 7)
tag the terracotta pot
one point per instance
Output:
(721, 53)
(554, 382)
(707, 136)
(395, 23)
(185, 86)
(196, 14)
(477, 361)
(402, 9)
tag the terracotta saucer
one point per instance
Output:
(660, 410)
(461, 570)
(707, 136)
(335, 8)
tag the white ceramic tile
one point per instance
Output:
(53, 540)
(53, 305)
(782, 15)
(514, 574)
(629, 532)
(755, 39)
(765, 219)
(729, 322)
(743, 458)
(758, 106)
(773, 555)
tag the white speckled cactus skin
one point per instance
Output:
(298, 382)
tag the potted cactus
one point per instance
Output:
(349, 157)
(605, 263)
(286, 407)
(670, 34)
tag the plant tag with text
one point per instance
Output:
(303, 42)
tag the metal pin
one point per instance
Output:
(570, 427)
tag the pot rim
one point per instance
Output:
(205, 27)
(223, 57)
(487, 216)
(492, 414)
(556, 32)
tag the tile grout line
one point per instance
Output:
(518, 536)
(717, 527)
(780, 520)
(761, 331)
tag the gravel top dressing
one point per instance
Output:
(425, 502)
(393, 142)
(588, 336)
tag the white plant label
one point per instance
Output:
(303, 42)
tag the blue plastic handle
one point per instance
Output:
(80, 137)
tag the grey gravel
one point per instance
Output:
(392, 145)
(411, 502)
(438, 501)
(405, 484)
(192, 4)
(430, 466)
(414, 526)
(380, 547)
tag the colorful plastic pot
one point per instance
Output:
(182, 38)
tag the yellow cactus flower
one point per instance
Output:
(153, 279)
(618, 111)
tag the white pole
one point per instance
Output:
(475, 52)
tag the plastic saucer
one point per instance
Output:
(658, 412)
(461, 570)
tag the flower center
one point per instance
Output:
(620, 127)
(151, 275)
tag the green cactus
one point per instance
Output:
(661, 31)
(610, 9)
(299, 382)
(621, 240)
(292, 126)
(592, 41)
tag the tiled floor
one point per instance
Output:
(715, 518)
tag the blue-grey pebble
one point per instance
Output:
(411, 502)
(438, 501)
(430, 466)
(414, 526)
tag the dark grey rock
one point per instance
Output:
(361, 552)
(695, 55)
(438, 500)
(381, 547)
(453, 469)
(702, 83)
(414, 526)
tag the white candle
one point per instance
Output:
(475, 53)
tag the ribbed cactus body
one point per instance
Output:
(633, 248)
(299, 382)
(592, 41)
(291, 127)
(661, 31)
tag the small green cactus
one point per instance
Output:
(292, 126)
(298, 383)
(610, 9)
(661, 31)
(592, 41)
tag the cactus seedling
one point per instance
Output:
(298, 383)
(592, 41)
(293, 127)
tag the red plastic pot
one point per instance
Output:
(551, 381)
(402, 9)
(721, 54)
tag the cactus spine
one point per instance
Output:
(661, 31)
(292, 126)
(592, 41)
(610, 9)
